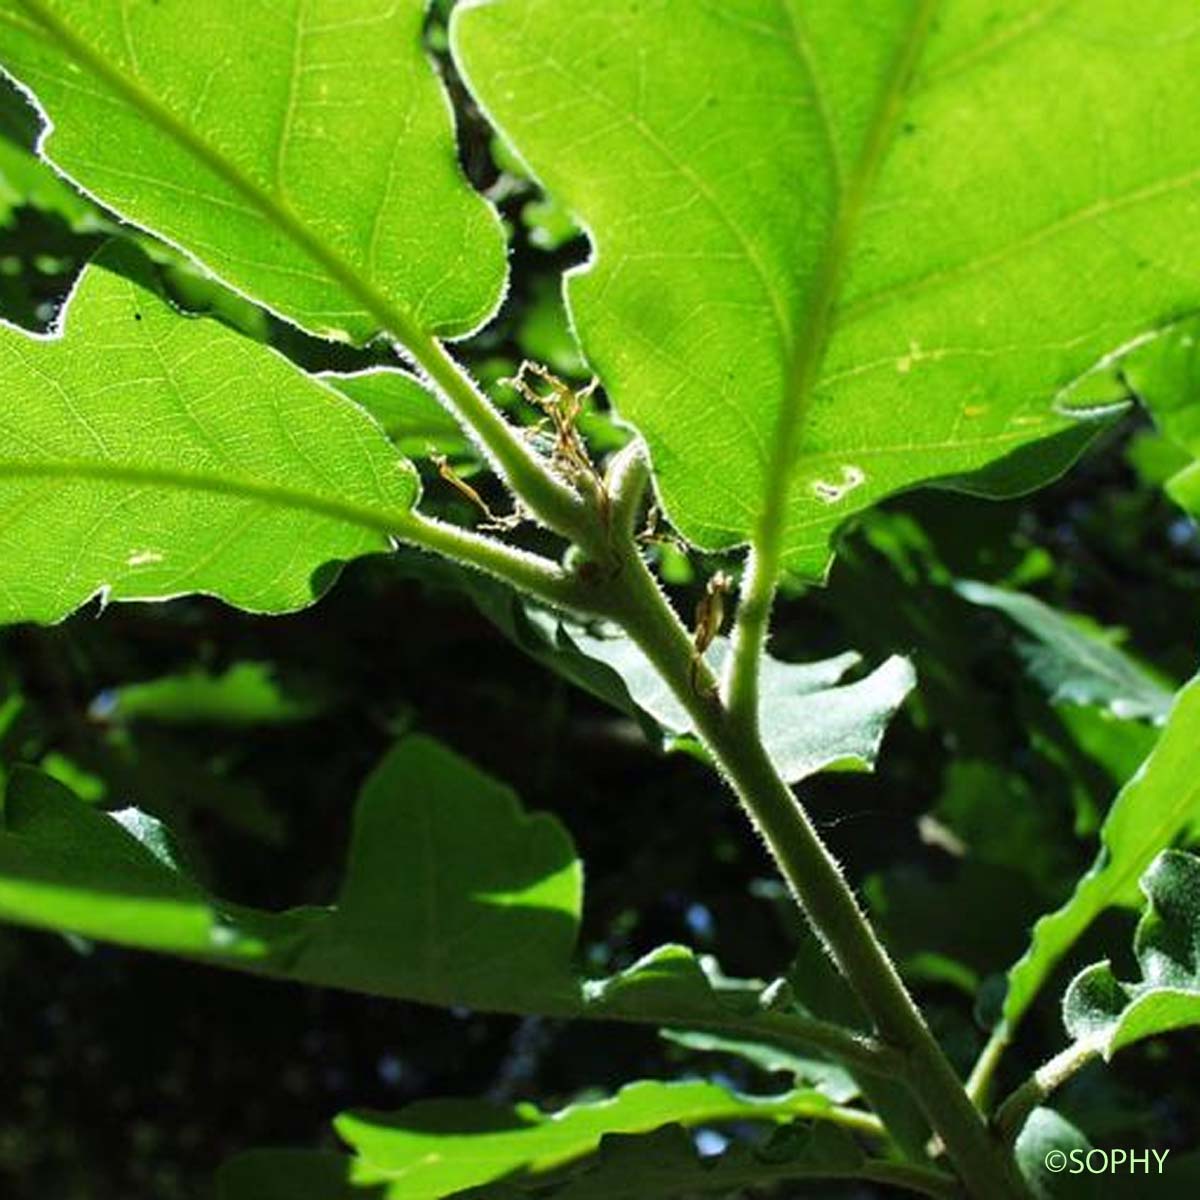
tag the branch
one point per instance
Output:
(817, 884)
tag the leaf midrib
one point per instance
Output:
(815, 322)
(391, 317)
(391, 521)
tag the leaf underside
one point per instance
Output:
(1074, 664)
(844, 248)
(1165, 374)
(812, 720)
(146, 455)
(303, 150)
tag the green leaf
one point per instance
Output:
(665, 1164)
(1159, 806)
(25, 179)
(291, 1175)
(246, 693)
(827, 1078)
(67, 866)
(145, 456)
(314, 169)
(809, 721)
(452, 895)
(840, 249)
(1047, 1133)
(409, 414)
(1100, 1011)
(1165, 374)
(440, 1148)
(436, 1148)
(1075, 662)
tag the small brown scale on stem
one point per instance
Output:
(710, 616)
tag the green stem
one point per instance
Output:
(749, 641)
(531, 574)
(547, 497)
(854, 1119)
(627, 478)
(818, 886)
(979, 1082)
(1047, 1079)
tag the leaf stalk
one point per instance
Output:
(1012, 1114)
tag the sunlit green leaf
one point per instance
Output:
(1165, 374)
(456, 1148)
(409, 414)
(665, 1164)
(843, 248)
(145, 456)
(436, 1148)
(312, 169)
